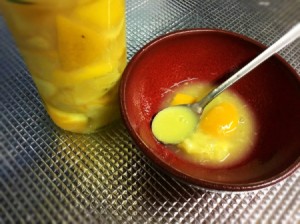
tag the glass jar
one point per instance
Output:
(75, 51)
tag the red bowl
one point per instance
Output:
(272, 91)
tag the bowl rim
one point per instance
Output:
(164, 167)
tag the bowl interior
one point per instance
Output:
(272, 91)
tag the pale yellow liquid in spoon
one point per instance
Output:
(174, 124)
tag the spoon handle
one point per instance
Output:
(286, 39)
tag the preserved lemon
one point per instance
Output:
(102, 14)
(78, 45)
(75, 51)
(67, 120)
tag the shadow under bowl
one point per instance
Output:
(272, 91)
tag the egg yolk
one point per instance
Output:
(221, 120)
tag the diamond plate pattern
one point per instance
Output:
(48, 175)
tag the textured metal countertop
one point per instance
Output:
(48, 175)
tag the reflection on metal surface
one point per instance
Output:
(47, 174)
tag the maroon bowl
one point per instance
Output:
(272, 91)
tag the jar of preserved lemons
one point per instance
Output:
(75, 51)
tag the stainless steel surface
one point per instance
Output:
(48, 175)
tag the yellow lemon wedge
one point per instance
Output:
(78, 45)
(75, 122)
(102, 14)
(63, 78)
(46, 89)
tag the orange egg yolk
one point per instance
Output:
(221, 120)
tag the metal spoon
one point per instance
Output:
(286, 39)
(183, 125)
